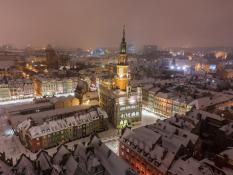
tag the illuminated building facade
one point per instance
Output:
(16, 89)
(45, 86)
(122, 104)
(49, 86)
(123, 109)
(227, 74)
(208, 68)
(52, 58)
(164, 104)
(4, 92)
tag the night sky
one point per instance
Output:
(98, 23)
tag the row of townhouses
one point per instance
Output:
(22, 88)
(50, 128)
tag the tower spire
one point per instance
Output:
(123, 38)
(122, 79)
(123, 42)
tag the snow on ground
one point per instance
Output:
(149, 118)
(19, 101)
(113, 145)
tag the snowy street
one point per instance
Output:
(149, 118)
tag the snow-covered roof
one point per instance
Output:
(147, 87)
(44, 161)
(5, 169)
(204, 102)
(25, 166)
(227, 129)
(142, 82)
(158, 143)
(87, 159)
(102, 112)
(155, 89)
(200, 114)
(91, 95)
(25, 125)
(185, 167)
(110, 161)
(61, 124)
(40, 116)
(70, 166)
(27, 107)
(195, 167)
(163, 95)
(184, 122)
(229, 153)
(58, 157)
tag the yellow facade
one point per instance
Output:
(122, 80)
(122, 84)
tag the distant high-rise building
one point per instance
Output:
(52, 57)
(150, 49)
